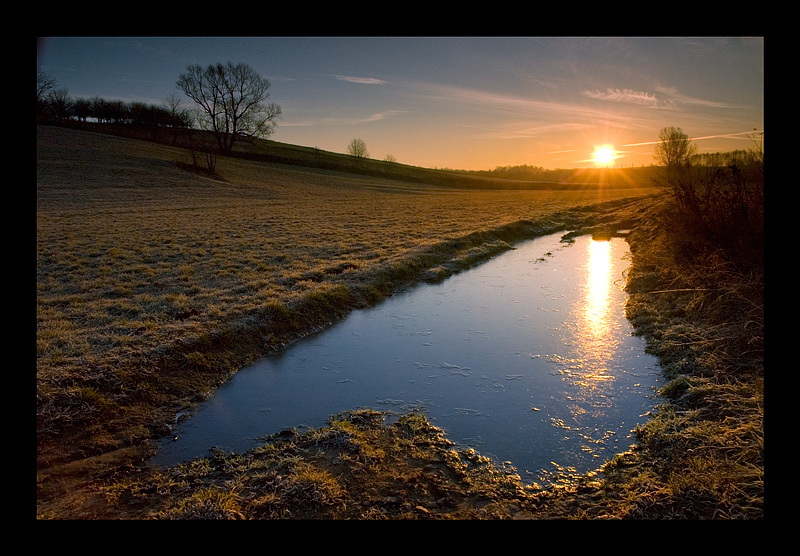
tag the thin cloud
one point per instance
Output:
(627, 96)
(361, 80)
(678, 98)
(665, 98)
(523, 130)
(376, 117)
(727, 135)
(542, 111)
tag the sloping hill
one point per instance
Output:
(270, 151)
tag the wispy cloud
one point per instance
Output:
(674, 96)
(375, 117)
(520, 116)
(665, 98)
(627, 96)
(361, 80)
(524, 129)
(541, 110)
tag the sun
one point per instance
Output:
(604, 154)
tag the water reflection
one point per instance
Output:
(596, 342)
(598, 285)
(602, 371)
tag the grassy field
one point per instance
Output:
(155, 283)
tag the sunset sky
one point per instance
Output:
(470, 103)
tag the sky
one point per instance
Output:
(469, 103)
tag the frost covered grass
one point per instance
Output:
(154, 283)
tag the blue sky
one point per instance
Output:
(457, 102)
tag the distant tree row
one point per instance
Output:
(524, 171)
(739, 158)
(59, 105)
(520, 171)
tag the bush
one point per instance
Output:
(716, 209)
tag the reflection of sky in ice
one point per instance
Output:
(527, 358)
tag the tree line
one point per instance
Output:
(524, 171)
(60, 106)
(737, 157)
(56, 103)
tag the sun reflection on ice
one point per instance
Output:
(598, 285)
(591, 400)
(595, 335)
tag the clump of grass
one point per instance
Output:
(207, 504)
(310, 486)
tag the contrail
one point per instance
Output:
(697, 138)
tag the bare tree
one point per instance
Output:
(358, 148)
(60, 103)
(674, 148)
(178, 115)
(44, 84)
(231, 102)
(674, 152)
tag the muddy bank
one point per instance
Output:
(360, 466)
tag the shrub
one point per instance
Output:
(716, 209)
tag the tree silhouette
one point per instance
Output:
(674, 148)
(358, 148)
(231, 102)
(674, 152)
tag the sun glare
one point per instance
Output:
(604, 154)
(598, 287)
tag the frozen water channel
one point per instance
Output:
(528, 358)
